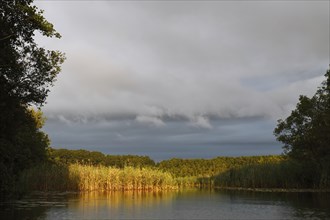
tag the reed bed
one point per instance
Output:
(76, 177)
(193, 181)
(271, 173)
(280, 174)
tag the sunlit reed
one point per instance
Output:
(76, 177)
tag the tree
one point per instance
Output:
(306, 132)
(26, 73)
(26, 70)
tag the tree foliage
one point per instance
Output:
(22, 145)
(26, 70)
(26, 73)
(212, 167)
(306, 134)
(86, 157)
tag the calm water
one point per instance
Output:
(188, 204)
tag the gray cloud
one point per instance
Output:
(245, 136)
(151, 65)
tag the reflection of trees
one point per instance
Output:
(12, 213)
(33, 206)
(303, 204)
(310, 205)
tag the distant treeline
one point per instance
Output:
(273, 171)
(212, 167)
(85, 157)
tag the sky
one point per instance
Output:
(184, 79)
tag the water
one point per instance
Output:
(187, 204)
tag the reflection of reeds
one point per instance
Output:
(128, 199)
(77, 177)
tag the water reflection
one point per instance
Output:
(126, 198)
(187, 204)
(120, 204)
(34, 206)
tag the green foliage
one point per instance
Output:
(66, 156)
(26, 73)
(26, 70)
(121, 161)
(21, 147)
(211, 167)
(306, 132)
(246, 172)
(285, 174)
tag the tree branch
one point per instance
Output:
(6, 37)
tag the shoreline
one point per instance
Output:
(273, 190)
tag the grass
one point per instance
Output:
(76, 177)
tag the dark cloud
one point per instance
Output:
(237, 137)
(163, 75)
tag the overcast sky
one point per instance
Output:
(180, 78)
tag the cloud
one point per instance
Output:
(187, 60)
(150, 120)
(138, 66)
(61, 118)
(201, 122)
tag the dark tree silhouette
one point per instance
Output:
(306, 132)
(26, 73)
